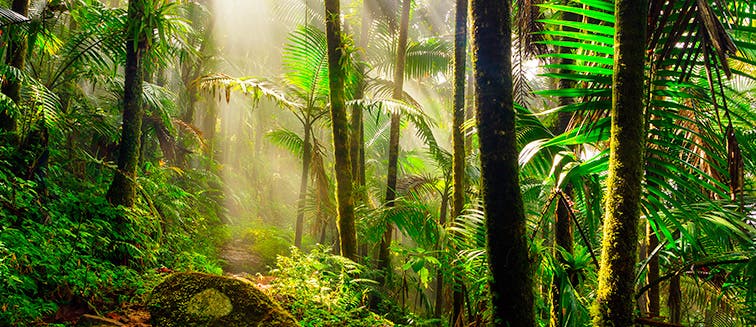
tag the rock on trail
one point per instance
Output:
(195, 299)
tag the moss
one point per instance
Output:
(210, 303)
(194, 299)
(614, 300)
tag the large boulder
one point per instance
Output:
(194, 299)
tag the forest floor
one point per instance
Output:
(238, 261)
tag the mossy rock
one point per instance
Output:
(194, 299)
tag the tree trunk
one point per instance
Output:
(674, 300)
(614, 306)
(393, 158)
(16, 57)
(469, 110)
(123, 189)
(654, 299)
(511, 283)
(209, 123)
(306, 158)
(344, 198)
(458, 137)
(357, 150)
(438, 306)
(563, 238)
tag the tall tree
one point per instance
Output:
(509, 262)
(357, 146)
(340, 125)
(563, 223)
(613, 306)
(393, 157)
(123, 189)
(458, 138)
(16, 57)
(304, 178)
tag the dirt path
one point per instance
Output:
(239, 259)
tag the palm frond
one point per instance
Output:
(8, 17)
(221, 85)
(287, 139)
(305, 62)
(299, 13)
(427, 58)
(423, 59)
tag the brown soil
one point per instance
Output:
(239, 259)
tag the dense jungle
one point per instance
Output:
(457, 163)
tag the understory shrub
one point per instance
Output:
(322, 289)
(61, 247)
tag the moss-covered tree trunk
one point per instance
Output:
(123, 189)
(511, 283)
(15, 57)
(393, 157)
(344, 197)
(305, 177)
(614, 303)
(458, 139)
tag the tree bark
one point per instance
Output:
(16, 57)
(439, 303)
(458, 137)
(393, 158)
(613, 306)
(511, 283)
(674, 300)
(123, 189)
(340, 125)
(563, 240)
(357, 150)
(305, 178)
(654, 298)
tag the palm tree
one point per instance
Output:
(393, 155)
(458, 142)
(684, 139)
(340, 125)
(619, 245)
(144, 51)
(512, 302)
(122, 190)
(303, 90)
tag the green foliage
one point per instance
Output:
(321, 289)
(687, 166)
(61, 244)
(61, 251)
(62, 247)
(267, 241)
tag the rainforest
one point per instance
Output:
(453, 163)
